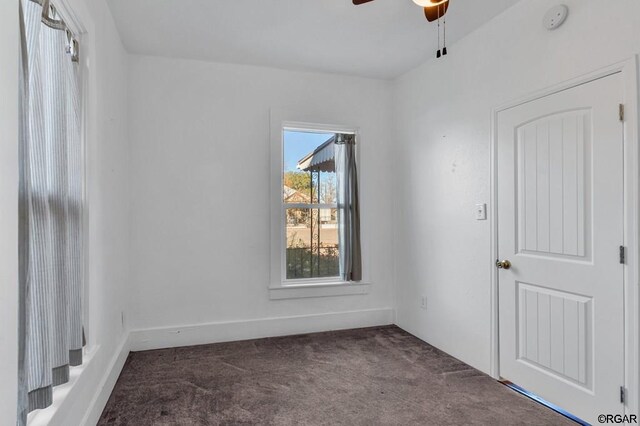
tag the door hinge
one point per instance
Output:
(623, 395)
(621, 111)
(623, 256)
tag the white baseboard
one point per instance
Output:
(200, 334)
(107, 383)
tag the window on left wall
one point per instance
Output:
(51, 206)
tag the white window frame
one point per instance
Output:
(280, 287)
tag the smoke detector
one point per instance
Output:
(555, 17)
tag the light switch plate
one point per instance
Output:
(481, 212)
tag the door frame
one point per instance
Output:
(629, 72)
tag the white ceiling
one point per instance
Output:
(382, 39)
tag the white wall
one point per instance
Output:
(9, 42)
(200, 137)
(442, 162)
(108, 203)
(108, 176)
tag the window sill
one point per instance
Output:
(321, 289)
(45, 416)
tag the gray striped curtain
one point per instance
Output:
(348, 208)
(50, 208)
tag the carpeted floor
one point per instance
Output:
(374, 376)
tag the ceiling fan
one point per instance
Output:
(433, 11)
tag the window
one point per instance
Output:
(309, 205)
(315, 211)
(51, 206)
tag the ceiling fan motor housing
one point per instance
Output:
(429, 3)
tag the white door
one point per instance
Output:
(560, 224)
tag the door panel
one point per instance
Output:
(555, 333)
(553, 164)
(560, 223)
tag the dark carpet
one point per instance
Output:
(373, 376)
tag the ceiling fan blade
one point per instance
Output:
(357, 2)
(431, 13)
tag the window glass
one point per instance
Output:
(309, 205)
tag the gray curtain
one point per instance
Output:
(23, 221)
(51, 189)
(348, 208)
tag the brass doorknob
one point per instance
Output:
(503, 264)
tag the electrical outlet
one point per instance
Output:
(423, 302)
(481, 212)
